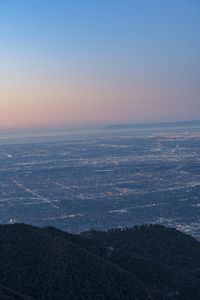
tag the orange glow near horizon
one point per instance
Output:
(85, 102)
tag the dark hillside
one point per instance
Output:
(156, 242)
(46, 266)
(147, 263)
(7, 294)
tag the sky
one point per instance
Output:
(79, 63)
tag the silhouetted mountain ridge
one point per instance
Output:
(147, 262)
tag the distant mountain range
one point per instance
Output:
(142, 263)
(154, 125)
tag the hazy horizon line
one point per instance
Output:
(105, 125)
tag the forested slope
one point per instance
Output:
(148, 262)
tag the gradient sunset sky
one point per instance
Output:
(91, 62)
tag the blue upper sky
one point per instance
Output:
(107, 47)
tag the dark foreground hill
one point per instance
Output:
(147, 263)
(8, 294)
